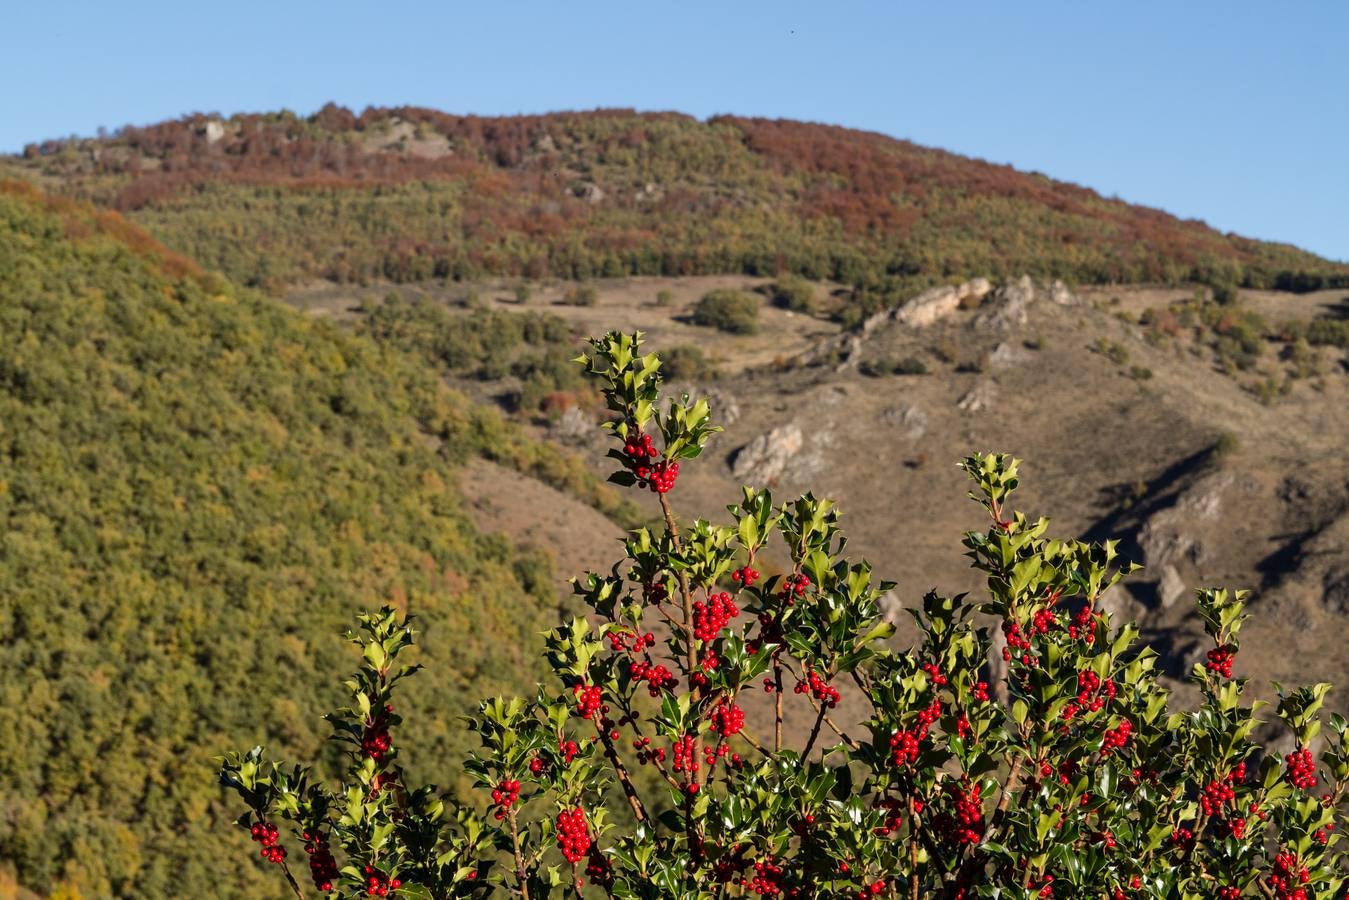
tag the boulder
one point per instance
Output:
(978, 397)
(928, 307)
(763, 460)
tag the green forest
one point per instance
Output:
(197, 487)
(409, 194)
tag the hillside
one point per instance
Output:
(410, 194)
(1208, 437)
(197, 487)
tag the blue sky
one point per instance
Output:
(1234, 112)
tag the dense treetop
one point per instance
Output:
(411, 193)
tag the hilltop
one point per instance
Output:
(407, 194)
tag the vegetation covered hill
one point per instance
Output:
(197, 487)
(409, 194)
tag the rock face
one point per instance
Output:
(939, 302)
(1169, 541)
(763, 460)
(978, 397)
(908, 417)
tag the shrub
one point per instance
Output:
(522, 293)
(1051, 767)
(687, 363)
(664, 298)
(795, 294)
(581, 295)
(736, 312)
(1115, 352)
(885, 365)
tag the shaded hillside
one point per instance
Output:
(197, 487)
(408, 194)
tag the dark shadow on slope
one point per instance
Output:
(1134, 505)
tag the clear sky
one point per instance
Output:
(1232, 112)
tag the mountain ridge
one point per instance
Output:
(409, 193)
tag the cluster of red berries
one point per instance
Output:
(647, 754)
(963, 727)
(1219, 793)
(621, 640)
(728, 719)
(1116, 737)
(572, 838)
(380, 781)
(745, 576)
(1301, 768)
(642, 460)
(794, 586)
(1288, 877)
(819, 689)
(981, 691)
(1220, 660)
(711, 617)
(1182, 836)
(935, 674)
(904, 746)
(969, 814)
(1043, 622)
(504, 796)
(684, 758)
(1229, 893)
(1081, 626)
(1089, 694)
(265, 833)
(894, 815)
(377, 884)
(375, 741)
(767, 879)
(568, 749)
(875, 889)
(322, 867)
(658, 678)
(588, 699)
(1135, 883)
(1016, 643)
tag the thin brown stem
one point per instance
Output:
(777, 706)
(814, 733)
(913, 850)
(290, 879)
(621, 771)
(520, 877)
(690, 641)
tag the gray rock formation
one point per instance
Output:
(763, 460)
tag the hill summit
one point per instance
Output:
(407, 194)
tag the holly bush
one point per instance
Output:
(1043, 764)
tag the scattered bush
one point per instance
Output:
(1114, 351)
(885, 365)
(664, 298)
(795, 294)
(580, 295)
(522, 293)
(735, 312)
(687, 363)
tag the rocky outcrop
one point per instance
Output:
(939, 302)
(978, 397)
(763, 460)
(1172, 538)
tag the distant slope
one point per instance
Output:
(408, 194)
(197, 489)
